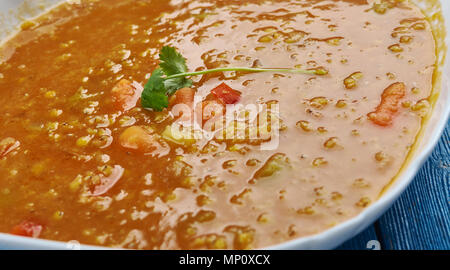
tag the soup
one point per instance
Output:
(232, 159)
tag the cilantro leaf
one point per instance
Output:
(155, 101)
(172, 85)
(159, 87)
(154, 94)
(172, 62)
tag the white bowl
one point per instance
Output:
(13, 11)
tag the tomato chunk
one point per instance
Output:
(28, 229)
(226, 94)
(385, 112)
(125, 94)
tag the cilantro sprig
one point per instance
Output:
(172, 74)
(159, 87)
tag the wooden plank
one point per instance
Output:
(420, 219)
(361, 240)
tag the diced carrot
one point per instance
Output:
(389, 105)
(226, 94)
(141, 140)
(184, 98)
(27, 228)
(7, 145)
(125, 94)
(137, 138)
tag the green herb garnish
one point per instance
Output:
(173, 72)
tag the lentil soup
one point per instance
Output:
(82, 158)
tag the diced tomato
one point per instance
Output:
(125, 94)
(389, 104)
(226, 94)
(28, 229)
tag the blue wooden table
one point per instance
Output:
(420, 219)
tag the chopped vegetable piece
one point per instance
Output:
(28, 229)
(179, 135)
(275, 164)
(142, 140)
(351, 81)
(226, 94)
(184, 96)
(389, 104)
(125, 94)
